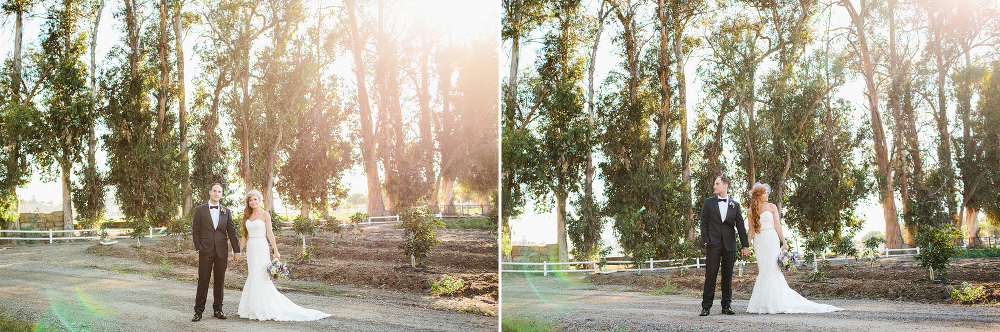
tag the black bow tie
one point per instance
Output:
(213, 207)
(723, 200)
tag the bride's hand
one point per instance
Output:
(784, 247)
(277, 255)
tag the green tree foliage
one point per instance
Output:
(143, 154)
(69, 111)
(937, 245)
(418, 234)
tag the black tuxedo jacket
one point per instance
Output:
(210, 239)
(714, 230)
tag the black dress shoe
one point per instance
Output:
(197, 317)
(728, 311)
(219, 315)
(704, 312)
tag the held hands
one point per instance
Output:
(746, 252)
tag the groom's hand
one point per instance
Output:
(746, 252)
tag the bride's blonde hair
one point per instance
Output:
(248, 211)
(756, 201)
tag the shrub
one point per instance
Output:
(139, 229)
(871, 249)
(304, 226)
(967, 294)
(936, 247)
(276, 222)
(844, 245)
(179, 229)
(446, 285)
(418, 234)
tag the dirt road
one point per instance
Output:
(574, 305)
(63, 288)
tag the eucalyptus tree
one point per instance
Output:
(68, 110)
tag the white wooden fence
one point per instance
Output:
(50, 235)
(561, 267)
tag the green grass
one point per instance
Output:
(320, 289)
(977, 253)
(468, 222)
(476, 311)
(514, 323)
(7, 324)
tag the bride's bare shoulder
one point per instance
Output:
(771, 207)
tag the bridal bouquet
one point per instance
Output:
(786, 261)
(278, 270)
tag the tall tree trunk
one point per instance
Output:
(561, 224)
(182, 107)
(685, 140)
(426, 131)
(67, 199)
(515, 54)
(944, 147)
(892, 235)
(18, 33)
(161, 51)
(375, 207)
(448, 186)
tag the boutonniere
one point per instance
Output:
(732, 205)
(223, 211)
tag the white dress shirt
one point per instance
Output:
(723, 208)
(215, 214)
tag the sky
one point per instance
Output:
(534, 227)
(464, 19)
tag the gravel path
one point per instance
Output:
(576, 306)
(64, 288)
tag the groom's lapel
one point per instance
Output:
(222, 215)
(206, 214)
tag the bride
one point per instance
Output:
(771, 294)
(260, 300)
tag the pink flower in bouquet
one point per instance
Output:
(278, 270)
(786, 261)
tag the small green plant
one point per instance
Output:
(668, 286)
(277, 221)
(815, 275)
(104, 231)
(967, 294)
(304, 226)
(139, 229)
(165, 265)
(936, 248)
(844, 245)
(684, 271)
(446, 285)
(179, 229)
(418, 234)
(603, 257)
(307, 254)
(872, 251)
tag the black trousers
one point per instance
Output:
(715, 254)
(209, 262)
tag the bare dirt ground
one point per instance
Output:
(873, 299)
(895, 278)
(85, 286)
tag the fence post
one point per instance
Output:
(918, 250)
(650, 263)
(697, 262)
(545, 268)
(50, 235)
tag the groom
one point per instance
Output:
(212, 227)
(719, 216)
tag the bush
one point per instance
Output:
(418, 234)
(304, 226)
(276, 222)
(967, 294)
(139, 228)
(844, 245)
(871, 249)
(977, 253)
(936, 247)
(446, 285)
(179, 229)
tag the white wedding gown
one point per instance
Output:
(260, 300)
(771, 294)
